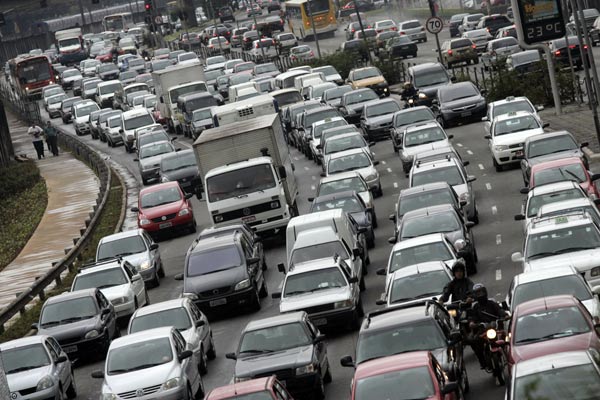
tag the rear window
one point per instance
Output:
(504, 43)
(411, 25)
(492, 21)
(461, 43)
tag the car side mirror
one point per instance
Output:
(466, 163)
(453, 79)
(322, 175)
(595, 177)
(450, 136)
(200, 323)
(281, 268)
(484, 118)
(62, 359)
(184, 354)
(519, 217)
(188, 196)
(356, 252)
(471, 178)
(488, 137)
(392, 240)
(381, 272)
(392, 217)
(524, 190)
(380, 302)
(545, 124)
(320, 338)
(105, 311)
(231, 356)
(469, 224)
(353, 279)
(584, 144)
(462, 203)
(120, 130)
(450, 387)
(375, 162)
(282, 172)
(455, 336)
(35, 326)
(516, 257)
(178, 277)
(539, 108)
(97, 374)
(276, 295)
(310, 199)
(346, 361)
(504, 305)
(154, 246)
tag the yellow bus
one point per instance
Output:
(300, 22)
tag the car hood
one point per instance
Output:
(189, 172)
(555, 156)
(72, 78)
(450, 105)
(81, 120)
(114, 292)
(303, 301)
(151, 162)
(75, 329)
(431, 91)
(333, 78)
(159, 211)
(366, 171)
(410, 152)
(262, 364)
(140, 379)
(368, 81)
(27, 379)
(201, 283)
(202, 123)
(571, 343)
(580, 260)
(517, 137)
(107, 73)
(379, 120)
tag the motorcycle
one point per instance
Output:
(494, 350)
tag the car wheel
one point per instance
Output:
(255, 300)
(371, 239)
(320, 389)
(264, 291)
(464, 380)
(362, 284)
(144, 181)
(380, 191)
(193, 226)
(498, 167)
(475, 216)
(211, 354)
(61, 394)
(203, 366)
(374, 220)
(72, 389)
(189, 395)
(156, 280)
(264, 264)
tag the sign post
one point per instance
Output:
(435, 25)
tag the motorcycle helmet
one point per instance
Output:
(458, 266)
(480, 292)
(407, 85)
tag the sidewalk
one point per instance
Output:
(72, 192)
(576, 119)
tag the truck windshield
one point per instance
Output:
(240, 182)
(69, 42)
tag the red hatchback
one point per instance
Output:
(551, 325)
(564, 169)
(415, 375)
(164, 207)
(260, 389)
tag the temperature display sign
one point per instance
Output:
(542, 20)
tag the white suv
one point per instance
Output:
(132, 120)
(81, 113)
(421, 137)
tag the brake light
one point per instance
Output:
(403, 33)
(572, 46)
(353, 30)
(474, 47)
(330, 19)
(227, 42)
(257, 45)
(585, 46)
(312, 54)
(394, 28)
(557, 53)
(449, 52)
(307, 23)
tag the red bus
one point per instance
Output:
(31, 73)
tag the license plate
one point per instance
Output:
(219, 302)
(466, 114)
(165, 225)
(70, 349)
(248, 218)
(320, 321)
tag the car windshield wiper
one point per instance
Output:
(126, 253)
(50, 323)
(73, 319)
(416, 297)
(541, 255)
(257, 351)
(26, 368)
(108, 285)
(574, 248)
(546, 337)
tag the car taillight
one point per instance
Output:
(449, 52)
(403, 33)
(585, 47)
(557, 53)
(572, 46)
(394, 28)
(353, 30)
(229, 33)
(312, 54)
(257, 45)
(474, 47)
(227, 42)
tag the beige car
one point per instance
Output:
(459, 50)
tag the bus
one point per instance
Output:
(117, 22)
(30, 74)
(300, 22)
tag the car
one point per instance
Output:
(415, 374)
(263, 49)
(226, 14)
(135, 64)
(458, 51)
(356, 160)
(550, 146)
(333, 96)
(413, 29)
(268, 388)
(315, 92)
(508, 105)
(285, 41)
(493, 22)
(111, 129)
(154, 361)
(344, 181)
(132, 120)
(181, 166)
(301, 53)
(215, 62)
(68, 77)
(200, 121)
(584, 204)
(415, 283)
(305, 123)
(480, 37)
(216, 45)
(118, 281)
(589, 17)
(291, 117)
(81, 114)
(454, 24)
(128, 45)
(565, 169)
(368, 35)
(385, 25)
(376, 118)
(420, 137)
(151, 134)
(105, 92)
(236, 36)
(399, 46)
(427, 78)
(508, 135)
(453, 172)
(136, 247)
(339, 130)
(524, 62)
(182, 314)
(108, 71)
(469, 22)
(288, 346)
(567, 50)
(93, 121)
(354, 26)
(331, 74)
(343, 142)
(507, 31)
(149, 160)
(352, 103)
(403, 118)
(37, 365)
(314, 140)
(266, 70)
(368, 77)
(548, 325)
(66, 108)
(459, 103)
(88, 67)
(51, 90)
(248, 39)
(356, 47)
(245, 230)
(498, 50)
(253, 9)
(54, 105)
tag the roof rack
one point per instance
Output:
(119, 259)
(562, 217)
(393, 308)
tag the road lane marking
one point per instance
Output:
(314, 178)
(383, 162)
(488, 186)
(481, 166)
(296, 158)
(498, 274)
(395, 185)
(306, 168)
(498, 239)
(469, 152)
(494, 210)
(312, 187)
(459, 144)
(389, 170)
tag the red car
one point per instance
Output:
(550, 325)
(417, 375)
(261, 388)
(164, 207)
(105, 56)
(564, 169)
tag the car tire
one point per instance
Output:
(211, 354)
(72, 389)
(371, 239)
(156, 279)
(255, 300)
(264, 291)
(189, 395)
(146, 297)
(61, 394)
(498, 167)
(193, 226)
(465, 387)
(374, 220)
(144, 181)
(319, 393)
(264, 264)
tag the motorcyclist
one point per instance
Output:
(408, 92)
(485, 311)
(460, 288)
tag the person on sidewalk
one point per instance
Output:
(51, 138)
(38, 142)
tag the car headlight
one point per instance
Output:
(491, 334)
(275, 204)
(500, 147)
(218, 218)
(45, 383)
(238, 379)
(145, 265)
(92, 334)
(170, 384)
(343, 304)
(464, 197)
(144, 222)
(242, 285)
(120, 300)
(191, 296)
(422, 96)
(371, 177)
(183, 212)
(307, 369)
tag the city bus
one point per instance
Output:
(299, 20)
(117, 22)
(30, 74)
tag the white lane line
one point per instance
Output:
(383, 162)
(306, 168)
(481, 167)
(498, 239)
(498, 274)
(389, 170)
(314, 178)
(372, 152)
(312, 187)
(494, 210)
(189, 146)
(488, 186)
(296, 158)
(459, 144)
(395, 185)
(469, 152)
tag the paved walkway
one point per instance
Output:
(72, 192)
(576, 119)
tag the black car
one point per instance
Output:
(83, 322)
(353, 102)
(376, 118)
(181, 166)
(244, 229)
(427, 78)
(455, 21)
(493, 22)
(409, 116)
(425, 326)
(333, 97)
(356, 47)
(400, 47)
(65, 108)
(560, 51)
(460, 102)
(108, 71)
(157, 134)
(304, 126)
(226, 14)
(77, 86)
(288, 346)
(353, 205)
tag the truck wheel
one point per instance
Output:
(294, 210)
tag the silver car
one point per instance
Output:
(152, 364)
(413, 29)
(149, 157)
(37, 368)
(137, 247)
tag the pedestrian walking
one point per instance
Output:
(38, 141)
(51, 138)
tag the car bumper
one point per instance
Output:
(380, 133)
(303, 384)
(182, 221)
(54, 113)
(83, 347)
(333, 318)
(472, 114)
(417, 36)
(83, 129)
(124, 309)
(508, 156)
(171, 394)
(232, 299)
(148, 274)
(47, 394)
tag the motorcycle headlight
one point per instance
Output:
(170, 384)
(144, 222)
(45, 383)
(500, 147)
(92, 334)
(491, 334)
(307, 369)
(452, 313)
(422, 96)
(242, 285)
(343, 304)
(145, 265)
(109, 396)
(183, 212)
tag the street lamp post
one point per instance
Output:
(312, 21)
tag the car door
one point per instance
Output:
(61, 371)
(137, 283)
(354, 287)
(189, 366)
(195, 339)
(319, 348)
(154, 253)
(110, 319)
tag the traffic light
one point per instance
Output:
(43, 3)
(148, 5)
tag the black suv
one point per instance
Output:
(425, 326)
(226, 14)
(83, 322)
(427, 78)
(288, 346)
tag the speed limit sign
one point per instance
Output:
(434, 25)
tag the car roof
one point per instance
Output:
(339, 176)
(416, 269)
(311, 237)
(509, 99)
(552, 187)
(121, 235)
(136, 112)
(388, 364)
(344, 135)
(422, 125)
(327, 120)
(162, 306)
(141, 336)
(552, 361)
(418, 241)
(426, 67)
(377, 102)
(428, 211)
(77, 294)
(555, 163)
(103, 265)
(240, 388)
(160, 186)
(546, 135)
(425, 188)
(512, 115)
(22, 342)
(211, 242)
(277, 320)
(554, 222)
(565, 205)
(435, 164)
(394, 316)
(545, 303)
(314, 265)
(349, 152)
(543, 274)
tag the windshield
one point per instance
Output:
(580, 382)
(127, 75)
(424, 136)
(137, 122)
(360, 97)
(336, 92)
(424, 284)
(35, 70)
(436, 251)
(202, 114)
(160, 65)
(536, 202)
(136, 62)
(355, 183)
(314, 281)
(264, 68)
(457, 92)
(155, 149)
(300, 49)
(138, 356)
(24, 358)
(317, 132)
(240, 182)
(284, 99)
(188, 56)
(345, 143)
(121, 247)
(100, 279)
(450, 175)
(561, 241)
(426, 224)
(56, 98)
(84, 111)
(176, 317)
(315, 252)
(412, 117)
(513, 125)
(248, 66)
(512, 106)
(108, 68)
(212, 75)
(160, 197)
(90, 85)
(425, 199)
(405, 384)
(274, 338)
(68, 311)
(550, 145)
(383, 108)
(418, 336)
(430, 78)
(70, 73)
(114, 122)
(571, 172)
(348, 204)
(197, 87)
(109, 88)
(213, 260)
(549, 324)
(348, 162)
(181, 161)
(321, 115)
(318, 90)
(366, 72)
(53, 91)
(569, 285)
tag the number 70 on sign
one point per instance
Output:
(434, 25)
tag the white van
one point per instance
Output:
(131, 121)
(234, 91)
(314, 77)
(285, 80)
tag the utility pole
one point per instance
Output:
(82, 12)
(569, 54)
(362, 30)
(312, 21)
(262, 51)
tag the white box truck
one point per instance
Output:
(248, 174)
(69, 44)
(172, 82)
(245, 109)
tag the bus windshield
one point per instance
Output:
(34, 71)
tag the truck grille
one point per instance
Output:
(247, 211)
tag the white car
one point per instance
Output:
(112, 130)
(216, 62)
(187, 318)
(81, 114)
(345, 181)
(132, 120)
(316, 132)
(152, 364)
(263, 48)
(356, 160)
(53, 104)
(331, 74)
(385, 25)
(346, 141)
(419, 138)
(88, 67)
(480, 37)
(508, 134)
(118, 281)
(215, 46)
(508, 105)
(187, 58)
(228, 66)
(583, 204)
